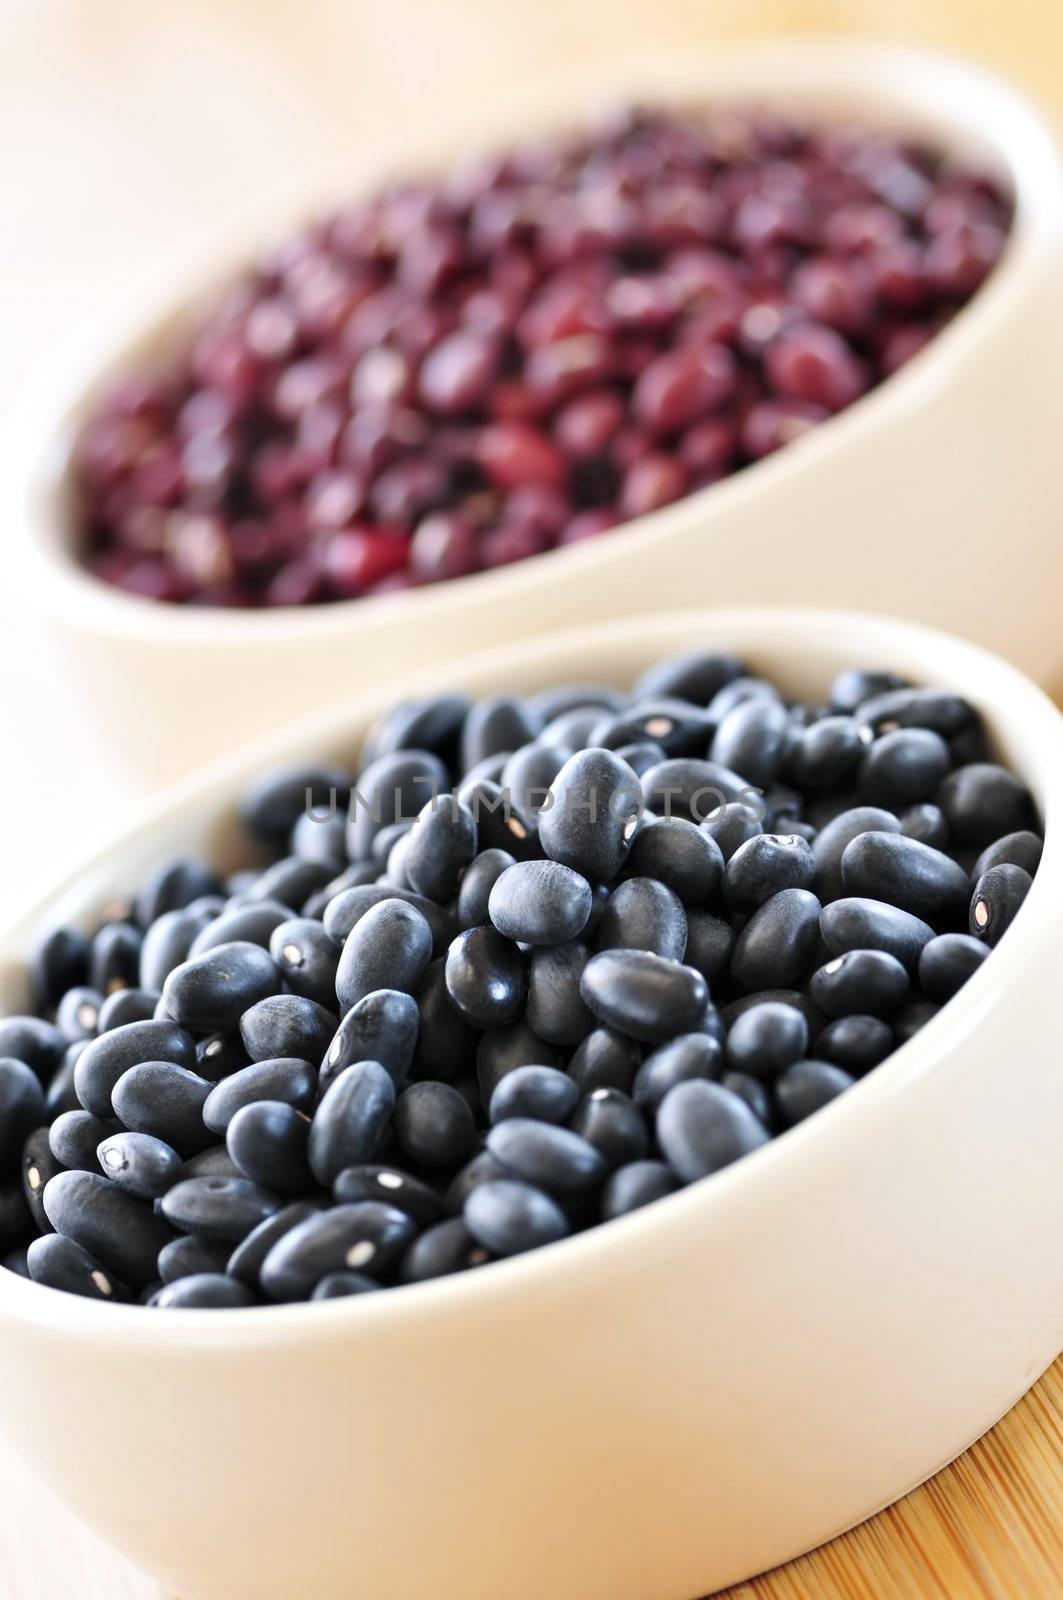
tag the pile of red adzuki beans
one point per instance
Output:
(457, 374)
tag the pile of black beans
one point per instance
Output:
(543, 960)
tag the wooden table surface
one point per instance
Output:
(130, 132)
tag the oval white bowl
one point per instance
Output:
(938, 496)
(655, 1408)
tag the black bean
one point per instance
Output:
(733, 824)
(78, 1013)
(307, 957)
(446, 1046)
(495, 724)
(541, 1093)
(605, 1060)
(861, 982)
(549, 1157)
(121, 1232)
(267, 1140)
(41, 1045)
(476, 886)
(643, 914)
(61, 1094)
(388, 948)
(767, 1039)
(160, 1098)
(59, 1263)
(905, 873)
(643, 995)
(1022, 849)
(997, 897)
(982, 802)
(501, 822)
(679, 727)
(433, 724)
(318, 836)
(272, 805)
(211, 992)
(764, 866)
(697, 676)
(856, 1043)
(125, 1006)
(540, 903)
(555, 702)
(114, 958)
(139, 1163)
(214, 1162)
(168, 942)
(448, 1247)
(614, 1125)
(904, 767)
(947, 962)
(250, 923)
(679, 854)
(508, 1218)
(343, 913)
(21, 1110)
(696, 790)
(702, 1127)
(911, 1018)
(341, 1285)
(16, 1220)
(105, 1059)
(486, 977)
(392, 788)
(75, 1136)
(245, 1262)
(188, 1256)
(824, 757)
(38, 1166)
(940, 710)
(641, 757)
(926, 823)
(442, 843)
(220, 1210)
(352, 1121)
(787, 997)
(833, 839)
(365, 1237)
(858, 924)
(529, 771)
(383, 1027)
(220, 1055)
(851, 689)
(710, 944)
(777, 942)
(692, 1055)
(394, 1187)
(753, 739)
(807, 1086)
(171, 886)
(290, 882)
(203, 1291)
(755, 1094)
(635, 1185)
(433, 1125)
(591, 815)
(287, 1025)
(59, 962)
(555, 1008)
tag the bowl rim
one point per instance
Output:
(960, 100)
(922, 651)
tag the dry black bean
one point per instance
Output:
(542, 1093)
(433, 1125)
(75, 1136)
(982, 802)
(441, 845)
(368, 1236)
(245, 1262)
(646, 996)
(61, 1264)
(732, 824)
(854, 688)
(856, 1042)
(824, 756)
(555, 1007)
(211, 992)
(702, 1127)
(388, 948)
(551, 1158)
(540, 903)
(307, 958)
(21, 1110)
(114, 959)
(753, 739)
(341, 1285)
(764, 866)
(139, 1163)
(448, 1247)
(907, 874)
(187, 1256)
(165, 1100)
(476, 886)
(105, 1059)
(486, 977)
(508, 1217)
(755, 1094)
(635, 1185)
(926, 822)
(710, 944)
(245, 923)
(267, 1141)
(383, 1026)
(904, 767)
(680, 728)
(644, 914)
(998, 895)
(40, 1044)
(777, 942)
(833, 839)
(203, 1291)
(1022, 849)
(858, 924)
(767, 1039)
(287, 1025)
(392, 788)
(287, 1078)
(605, 1059)
(591, 815)
(392, 1186)
(38, 1166)
(692, 1055)
(697, 676)
(59, 962)
(806, 1087)
(125, 1006)
(614, 1125)
(120, 1231)
(221, 1210)
(679, 854)
(947, 962)
(861, 982)
(352, 1121)
(446, 1046)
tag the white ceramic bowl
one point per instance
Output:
(938, 497)
(657, 1407)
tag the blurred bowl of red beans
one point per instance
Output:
(778, 326)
